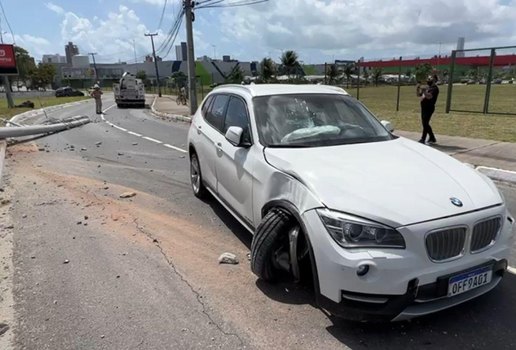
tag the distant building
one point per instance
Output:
(148, 58)
(57, 58)
(79, 61)
(226, 58)
(460, 46)
(181, 52)
(71, 50)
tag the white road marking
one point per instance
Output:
(119, 128)
(134, 133)
(107, 109)
(512, 270)
(151, 139)
(174, 147)
(140, 135)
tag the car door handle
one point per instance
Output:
(219, 145)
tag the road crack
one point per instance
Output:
(185, 281)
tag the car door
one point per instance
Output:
(209, 132)
(234, 164)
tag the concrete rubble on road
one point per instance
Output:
(228, 258)
(127, 194)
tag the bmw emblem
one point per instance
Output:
(456, 202)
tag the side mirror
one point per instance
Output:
(234, 135)
(387, 125)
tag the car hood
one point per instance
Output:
(397, 182)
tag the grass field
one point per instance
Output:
(7, 113)
(382, 101)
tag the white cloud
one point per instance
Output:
(37, 46)
(53, 7)
(369, 27)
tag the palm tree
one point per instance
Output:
(267, 69)
(348, 70)
(377, 73)
(289, 60)
(332, 73)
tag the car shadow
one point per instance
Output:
(485, 322)
(231, 223)
(449, 149)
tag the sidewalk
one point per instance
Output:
(494, 158)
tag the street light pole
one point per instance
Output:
(191, 58)
(94, 66)
(152, 35)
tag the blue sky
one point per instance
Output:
(319, 30)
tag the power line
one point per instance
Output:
(221, 4)
(162, 14)
(7, 21)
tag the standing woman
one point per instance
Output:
(97, 95)
(428, 97)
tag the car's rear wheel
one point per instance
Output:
(279, 249)
(198, 187)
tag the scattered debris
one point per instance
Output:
(135, 143)
(106, 187)
(155, 241)
(86, 217)
(228, 258)
(120, 154)
(5, 201)
(79, 222)
(55, 302)
(98, 143)
(3, 328)
(128, 194)
(41, 149)
(66, 261)
(84, 149)
(102, 336)
(24, 216)
(249, 256)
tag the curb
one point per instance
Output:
(498, 174)
(41, 111)
(3, 146)
(176, 117)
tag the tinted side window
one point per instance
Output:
(215, 115)
(237, 115)
(206, 105)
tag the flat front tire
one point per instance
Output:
(269, 249)
(198, 187)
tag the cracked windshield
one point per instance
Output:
(257, 174)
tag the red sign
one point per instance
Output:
(7, 60)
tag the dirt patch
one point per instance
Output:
(191, 245)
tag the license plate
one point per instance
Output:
(469, 280)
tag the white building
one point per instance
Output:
(81, 61)
(57, 58)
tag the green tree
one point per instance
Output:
(422, 71)
(179, 79)
(333, 73)
(25, 64)
(236, 76)
(42, 75)
(290, 63)
(141, 75)
(377, 74)
(267, 69)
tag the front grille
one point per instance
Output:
(445, 244)
(484, 234)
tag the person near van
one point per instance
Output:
(97, 95)
(428, 97)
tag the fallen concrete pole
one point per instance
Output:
(7, 132)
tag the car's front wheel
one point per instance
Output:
(198, 187)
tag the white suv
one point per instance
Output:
(386, 228)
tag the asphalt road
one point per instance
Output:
(142, 272)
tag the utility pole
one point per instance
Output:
(94, 65)
(152, 35)
(7, 82)
(189, 17)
